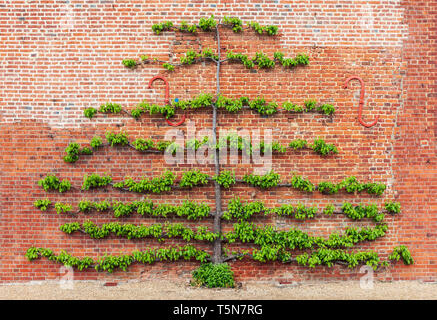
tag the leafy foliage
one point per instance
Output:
(226, 179)
(298, 182)
(263, 108)
(235, 142)
(154, 185)
(185, 27)
(86, 150)
(131, 231)
(207, 24)
(292, 107)
(42, 204)
(300, 59)
(190, 210)
(34, 253)
(167, 66)
(235, 23)
(328, 257)
(95, 181)
(193, 178)
(243, 211)
(270, 179)
(392, 207)
(359, 212)
(269, 30)
(298, 144)
(72, 151)
(351, 185)
(327, 109)
(110, 107)
(129, 63)
(167, 111)
(269, 236)
(101, 206)
(90, 112)
(190, 57)
(62, 208)
(196, 178)
(323, 148)
(275, 146)
(231, 105)
(195, 144)
(163, 146)
(300, 212)
(245, 60)
(96, 142)
(69, 228)
(143, 144)
(214, 276)
(117, 138)
(327, 187)
(163, 26)
(85, 206)
(309, 106)
(329, 210)
(110, 263)
(237, 210)
(402, 252)
(51, 182)
(263, 61)
(375, 188)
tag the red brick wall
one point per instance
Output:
(58, 58)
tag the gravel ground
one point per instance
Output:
(160, 289)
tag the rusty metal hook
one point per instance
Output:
(360, 109)
(167, 98)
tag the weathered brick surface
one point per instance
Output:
(58, 58)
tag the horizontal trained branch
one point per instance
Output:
(188, 209)
(131, 231)
(349, 184)
(236, 209)
(51, 182)
(320, 257)
(323, 256)
(109, 263)
(74, 150)
(260, 59)
(189, 58)
(195, 178)
(264, 62)
(245, 232)
(204, 100)
(210, 24)
(232, 141)
(269, 236)
(401, 252)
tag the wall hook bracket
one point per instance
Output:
(360, 108)
(167, 98)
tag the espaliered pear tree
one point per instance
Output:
(270, 243)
